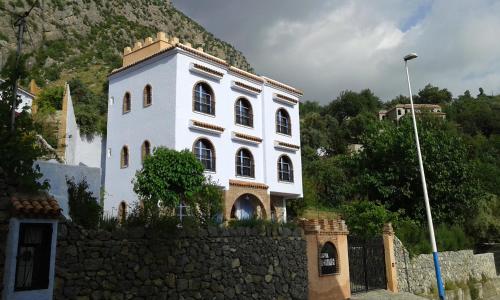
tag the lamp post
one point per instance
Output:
(424, 186)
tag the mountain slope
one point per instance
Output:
(84, 38)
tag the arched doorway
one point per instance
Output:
(247, 206)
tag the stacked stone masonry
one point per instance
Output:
(417, 275)
(213, 263)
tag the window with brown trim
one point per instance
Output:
(244, 163)
(328, 260)
(285, 169)
(203, 99)
(243, 112)
(126, 103)
(283, 122)
(205, 153)
(122, 212)
(147, 96)
(124, 157)
(33, 256)
(145, 150)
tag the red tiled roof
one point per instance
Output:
(39, 206)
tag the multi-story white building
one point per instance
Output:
(244, 128)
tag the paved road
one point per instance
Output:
(385, 295)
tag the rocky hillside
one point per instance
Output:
(84, 38)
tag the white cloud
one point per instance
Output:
(336, 45)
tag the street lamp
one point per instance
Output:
(424, 186)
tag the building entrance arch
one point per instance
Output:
(247, 206)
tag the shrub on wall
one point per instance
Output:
(366, 218)
(83, 207)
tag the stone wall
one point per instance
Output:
(417, 274)
(232, 263)
(4, 224)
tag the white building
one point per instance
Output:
(244, 128)
(25, 96)
(400, 110)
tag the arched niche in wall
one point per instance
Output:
(328, 260)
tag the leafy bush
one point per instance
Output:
(168, 177)
(366, 218)
(485, 225)
(206, 204)
(83, 207)
(415, 237)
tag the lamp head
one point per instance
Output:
(410, 56)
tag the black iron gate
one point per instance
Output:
(366, 264)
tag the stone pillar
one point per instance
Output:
(317, 234)
(390, 259)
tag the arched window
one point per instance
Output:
(328, 259)
(126, 103)
(244, 163)
(243, 112)
(205, 153)
(145, 150)
(124, 157)
(203, 98)
(283, 122)
(285, 169)
(147, 96)
(122, 212)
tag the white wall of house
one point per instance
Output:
(56, 173)
(80, 149)
(155, 123)
(167, 123)
(10, 263)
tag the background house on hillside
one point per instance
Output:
(400, 110)
(27, 98)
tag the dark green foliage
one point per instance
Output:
(388, 170)
(18, 149)
(206, 204)
(433, 95)
(169, 177)
(90, 108)
(415, 237)
(350, 104)
(366, 218)
(83, 206)
(50, 98)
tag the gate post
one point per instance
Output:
(390, 259)
(328, 276)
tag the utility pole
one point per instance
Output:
(21, 27)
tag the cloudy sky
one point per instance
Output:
(324, 47)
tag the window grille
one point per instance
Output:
(245, 164)
(285, 169)
(243, 112)
(203, 99)
(283, 122)
(33, 256)
(204, 152)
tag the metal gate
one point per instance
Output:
(366, 264)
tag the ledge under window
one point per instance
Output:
(193, 124)
(240, 86)
(206, 71)
(246, 138)
(284, 99)
(286, 146)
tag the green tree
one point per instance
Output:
(18, 149)
(366, 218)
(50, 99)
(206, 204)
(169, 177)
(388, 170)
(433, 95)
(83, 206)
(349, 104)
